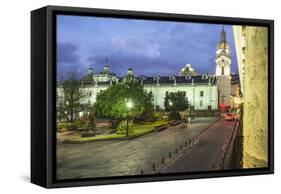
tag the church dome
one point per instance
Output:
(187, 70)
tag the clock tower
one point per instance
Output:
(223, 59)
(223, 62)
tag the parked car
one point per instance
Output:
(229, 116)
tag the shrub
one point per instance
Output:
(149, 117)
(67, 126)
(157, 115)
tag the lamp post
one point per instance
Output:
(170, 104)
(129, 105)
(189, 120)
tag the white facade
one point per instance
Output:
(223, 66)
(202, 93)
(199, 96)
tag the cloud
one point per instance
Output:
(119, 63)
(136, 47)
(67, 53)
(68, 58)
(149, 47)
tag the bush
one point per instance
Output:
(157, 115)
(66, 126)
(149, 117)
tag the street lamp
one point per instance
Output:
(189, 120)
(129, 105)
(170, 104)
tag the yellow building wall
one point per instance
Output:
(255, 97)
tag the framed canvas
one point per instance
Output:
(126, 96)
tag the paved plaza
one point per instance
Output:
(130, 157)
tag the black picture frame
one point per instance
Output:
(43, 84)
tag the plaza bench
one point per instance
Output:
(160, 127)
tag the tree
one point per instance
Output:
(112, 102)
(148, 104)
(176, 101)
(71, 96)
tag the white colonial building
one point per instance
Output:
(204, 92)
(201, 90)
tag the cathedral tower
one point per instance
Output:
(223, 59)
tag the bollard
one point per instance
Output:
(176, 151)
(181, 147)
(153, 166)
(170, 154)
(185, 143)
(141, 172)
(163, 160)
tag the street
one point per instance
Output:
(204, 154)
(125, 157)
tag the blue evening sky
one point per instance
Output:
(149, 47)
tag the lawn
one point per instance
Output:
(138, 130)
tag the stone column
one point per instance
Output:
(255, 106)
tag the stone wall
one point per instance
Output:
(255, 100)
